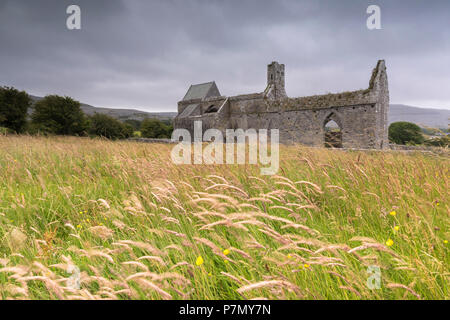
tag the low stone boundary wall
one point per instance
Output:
(392, 147)
(414, 148)
(403, 148)
(151, 140)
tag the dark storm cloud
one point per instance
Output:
(144, 54)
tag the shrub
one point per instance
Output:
(154, 128)
(443, 141)
(59, 115)
(405, 133)
(109, 127)
(127, 130)
(14, 106)
(136, 124)
(4, 131)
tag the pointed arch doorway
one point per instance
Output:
(332, 132)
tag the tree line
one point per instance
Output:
(56, 115)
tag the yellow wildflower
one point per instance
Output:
(389, 242)
(306, 265)
(199, 261)
(210, 274)
(225, 261)
(445, 241)
(226, 252)
(393, 213)
(289, 256)
(396, 228)
(79, 226)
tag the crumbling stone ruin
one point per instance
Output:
(360, 117)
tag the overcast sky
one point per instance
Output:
(144, 54)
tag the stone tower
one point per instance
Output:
(275, 80)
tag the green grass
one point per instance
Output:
(145, 221)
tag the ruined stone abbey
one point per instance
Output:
(360, 117)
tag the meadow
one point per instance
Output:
(88, 218)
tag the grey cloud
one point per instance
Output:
(144, 54)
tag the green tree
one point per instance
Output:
(59, 115)
(154, 128)
(109, 127)
(14, 106)
(405, 133)
(127, 130)
(169, 128)
(136, 124)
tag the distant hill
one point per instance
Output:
(121, 114)
(424, 117)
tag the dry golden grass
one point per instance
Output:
(137, 226)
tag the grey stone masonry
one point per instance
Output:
(361, 115)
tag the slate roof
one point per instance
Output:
(202, 91)
(188, 110)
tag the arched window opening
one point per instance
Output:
(333, 135)
(211, 109)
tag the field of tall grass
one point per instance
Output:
(95, 219)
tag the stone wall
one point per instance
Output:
(307, 126)
(361, 115)
(433, 149)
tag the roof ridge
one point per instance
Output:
(199, 84)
